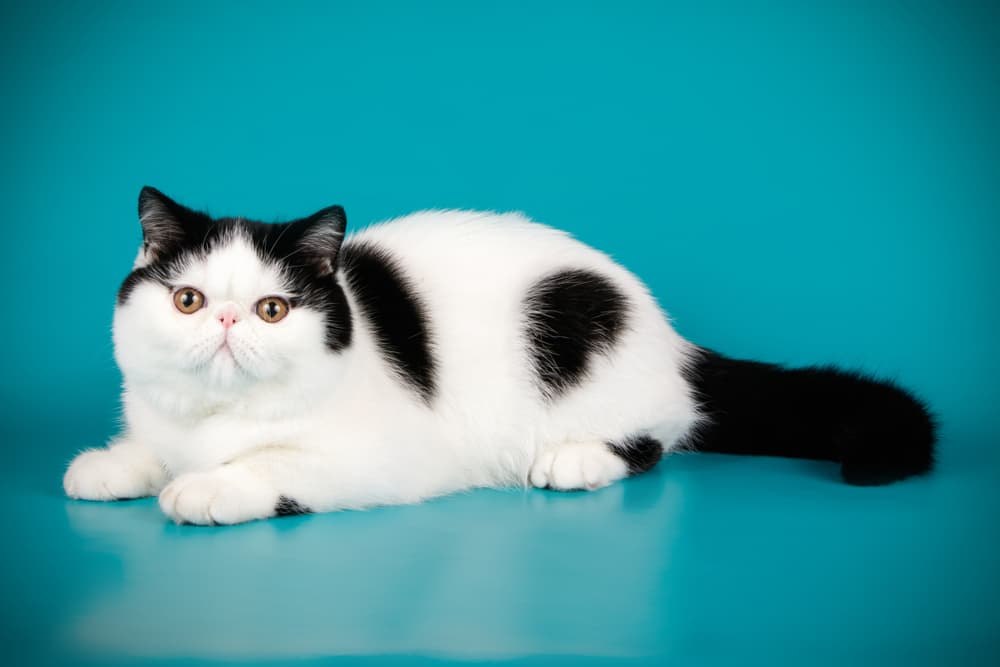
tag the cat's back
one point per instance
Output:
(489, 317)
(462, 290)
(454, 251)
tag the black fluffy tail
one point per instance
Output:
(877, 431)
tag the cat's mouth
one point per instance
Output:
(225, 353)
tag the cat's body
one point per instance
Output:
(434, 353)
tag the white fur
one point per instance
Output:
(281, 415)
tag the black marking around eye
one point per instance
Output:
(571, 316)
(132, 281)
(394, 313)
(159, 272)
(312, 285)
(279, 244)
(639, 452)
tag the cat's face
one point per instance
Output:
(230, 303)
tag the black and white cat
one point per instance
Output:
(279, 368)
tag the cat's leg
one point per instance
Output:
(231, 493)
(123, 469)
(266, 482)
(594, 464)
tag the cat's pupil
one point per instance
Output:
(272, 309)
(187, 299)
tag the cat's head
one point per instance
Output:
(226, 303)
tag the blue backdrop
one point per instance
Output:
(797, 182)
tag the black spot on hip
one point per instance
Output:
(571, 316)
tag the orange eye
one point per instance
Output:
(188, 300)
(272, 309)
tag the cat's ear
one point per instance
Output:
(165, 223)
(322, 237)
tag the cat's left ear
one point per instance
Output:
(322, 237)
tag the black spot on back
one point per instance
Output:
(394, 313)
(571, 316)
(640, 452)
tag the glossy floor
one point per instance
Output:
(707, 560)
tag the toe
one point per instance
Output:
(540, 472)
(223, 496)
(567, 470)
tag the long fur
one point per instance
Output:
(437, 352)
(877, 431)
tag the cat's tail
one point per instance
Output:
(877, 431)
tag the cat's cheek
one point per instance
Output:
(225, 495)
(146, 335)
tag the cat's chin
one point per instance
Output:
(225, 370)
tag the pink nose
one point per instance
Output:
(228, 317)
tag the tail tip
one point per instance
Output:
(897, 443)
(880, 472)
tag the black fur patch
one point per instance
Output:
(640, 452)
(289, 507)
(185, 232)
(877, 431)
(133, 279)
(571, 316)
(394, 312)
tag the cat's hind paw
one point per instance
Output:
(106, 474)
(577, 465)
(225, 495)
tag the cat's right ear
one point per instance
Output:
(164, 224)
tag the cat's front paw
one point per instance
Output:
(106, 474)
(225, 495)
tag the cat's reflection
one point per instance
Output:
(484, 574)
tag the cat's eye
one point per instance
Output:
(272, 309)
(188, 300)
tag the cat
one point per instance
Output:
(274, 369)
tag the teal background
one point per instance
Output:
(797, 182)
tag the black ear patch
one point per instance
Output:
(571, 316)
(394, 313)
(166, 225)
(322, 238)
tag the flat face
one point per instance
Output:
(706, 560)
(218, 318)
(157, 335)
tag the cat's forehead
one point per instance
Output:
(232, 268)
